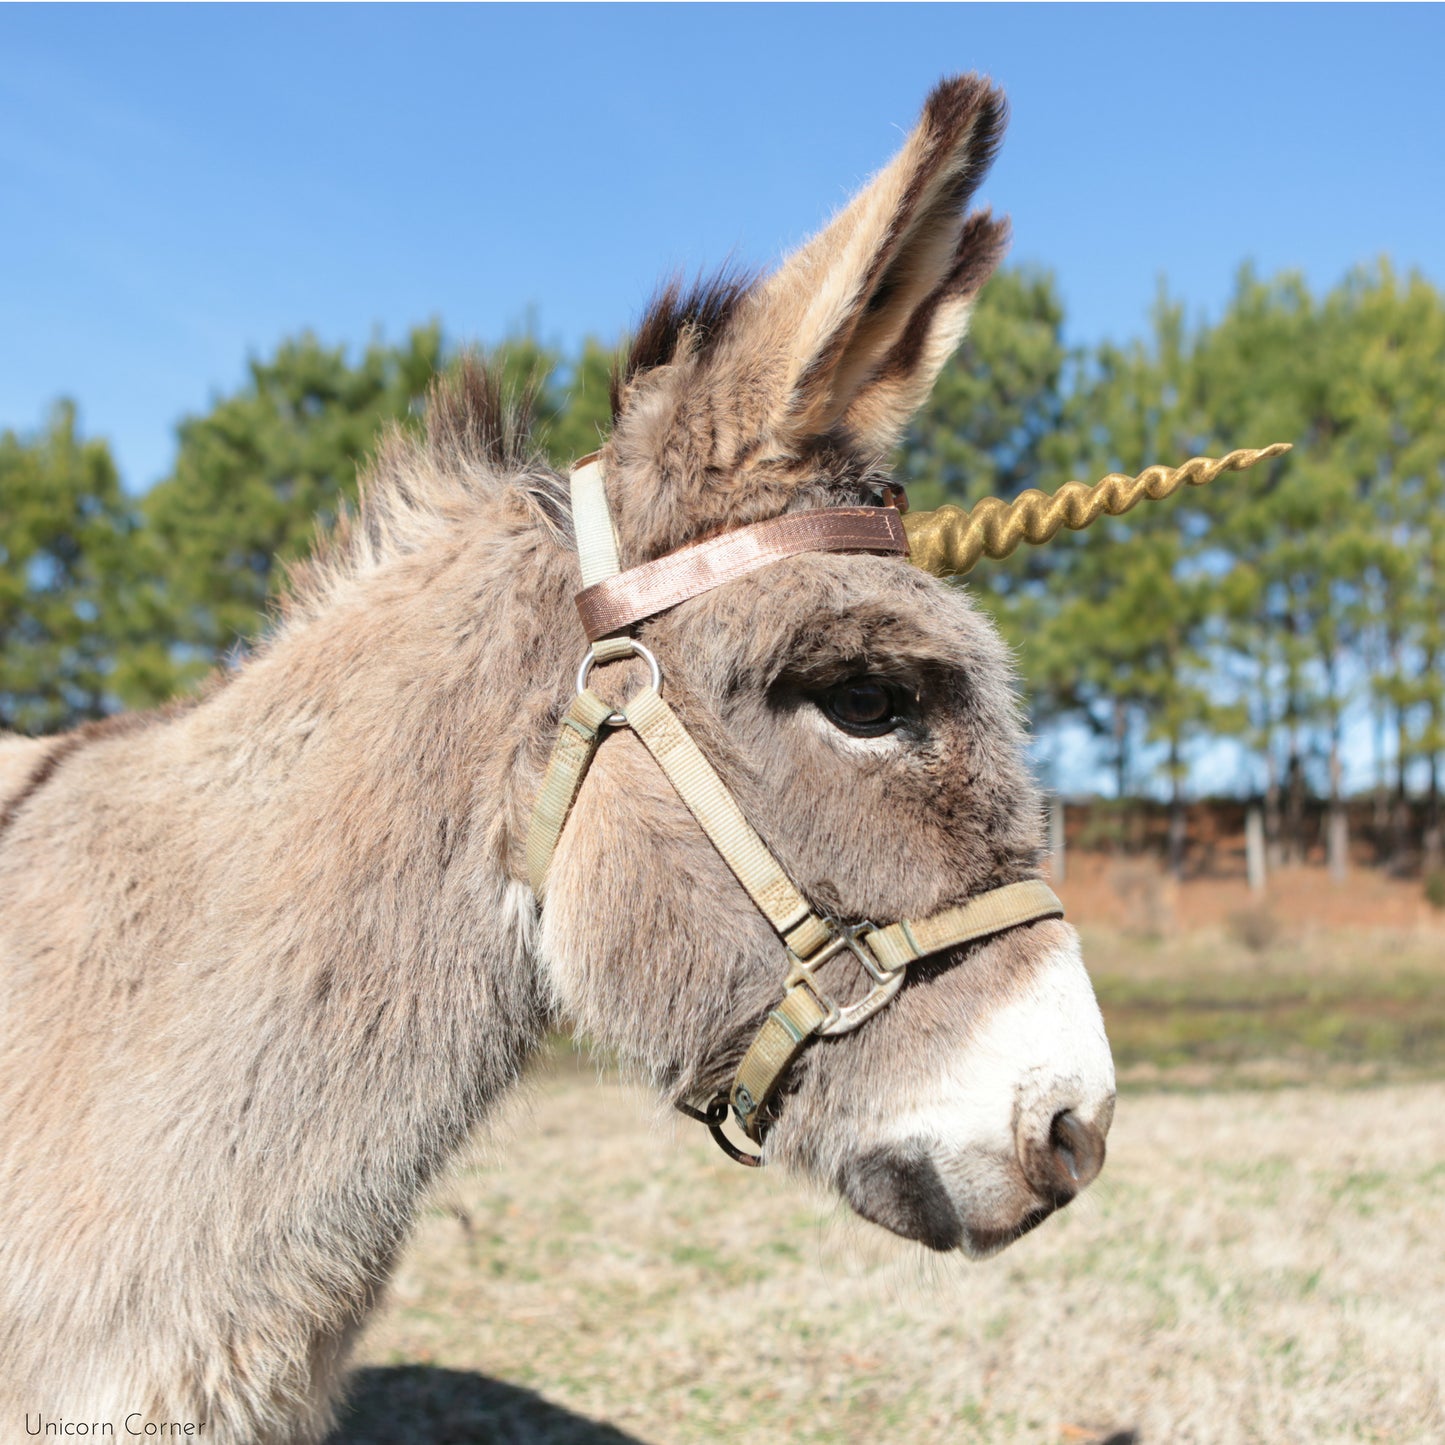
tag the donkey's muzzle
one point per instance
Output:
(901, 1189)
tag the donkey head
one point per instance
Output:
(861, 713)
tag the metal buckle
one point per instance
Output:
(844, 1018)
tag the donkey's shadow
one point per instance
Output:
(423, 1405)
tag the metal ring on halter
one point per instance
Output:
(715, 1116)
(615, 719)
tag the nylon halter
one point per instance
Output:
(612, 600)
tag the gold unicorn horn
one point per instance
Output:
(949, 541)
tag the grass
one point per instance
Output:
(1205, 1011)
(1378, 1027)
(1251, 1266)
(1254, 1265)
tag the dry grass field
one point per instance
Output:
(1255, 1264)
(1257, 1002)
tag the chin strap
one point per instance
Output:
(807, 1011)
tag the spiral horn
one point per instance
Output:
(949, 541)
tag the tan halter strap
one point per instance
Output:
(807, 1010)
(592, 522)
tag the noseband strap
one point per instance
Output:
(807, 1010)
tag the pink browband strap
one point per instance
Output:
(619, 601)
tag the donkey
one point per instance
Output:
(268, 957)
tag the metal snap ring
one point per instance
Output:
(715, 1116)
(615, 719)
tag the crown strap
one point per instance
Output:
(592, 522)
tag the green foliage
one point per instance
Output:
(1259, 608)
(1338, 549)
(1255, 609)
(575, 414)
(571, 414)
(998, 420)
(1003, 417)
(64, 534)
(267, 469)
(1128, 635)
(253, 477)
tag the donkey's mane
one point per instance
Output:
(680, 319)
(476, 443)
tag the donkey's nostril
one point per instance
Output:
(1077, 1149)
(1066, 1160)
(1065, 1156)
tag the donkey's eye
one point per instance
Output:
(863, 706)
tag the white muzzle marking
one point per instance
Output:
(1040, 1055)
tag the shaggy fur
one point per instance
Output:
(267, 960)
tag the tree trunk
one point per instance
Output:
(1294, 804)
(1178, 820)
(1380, 803)
(1121, 750)
(1401, 823)
(1273, 845)
(1058, 864)
(1254, 849)
(1434, 839)
(1337, 830)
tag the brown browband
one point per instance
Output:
(619, 601)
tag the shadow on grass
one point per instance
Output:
(423, 1405)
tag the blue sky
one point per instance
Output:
(181, 187)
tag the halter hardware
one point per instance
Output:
(619, 647)
(811, 940)
(845, 938)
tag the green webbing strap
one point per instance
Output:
(577, 741)
(805, 1011)
(781, 1039)
(802, 1014)
(709, 801)
(990, 912)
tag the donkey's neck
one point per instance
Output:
(307, 934)
(379, 762)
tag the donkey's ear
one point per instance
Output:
(861, 319)
(731, 392)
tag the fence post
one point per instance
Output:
(1254, 849)
(1057, 866)
(1337, 841)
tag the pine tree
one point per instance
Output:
(255, 475)
(1392, 407)
(64, 528)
